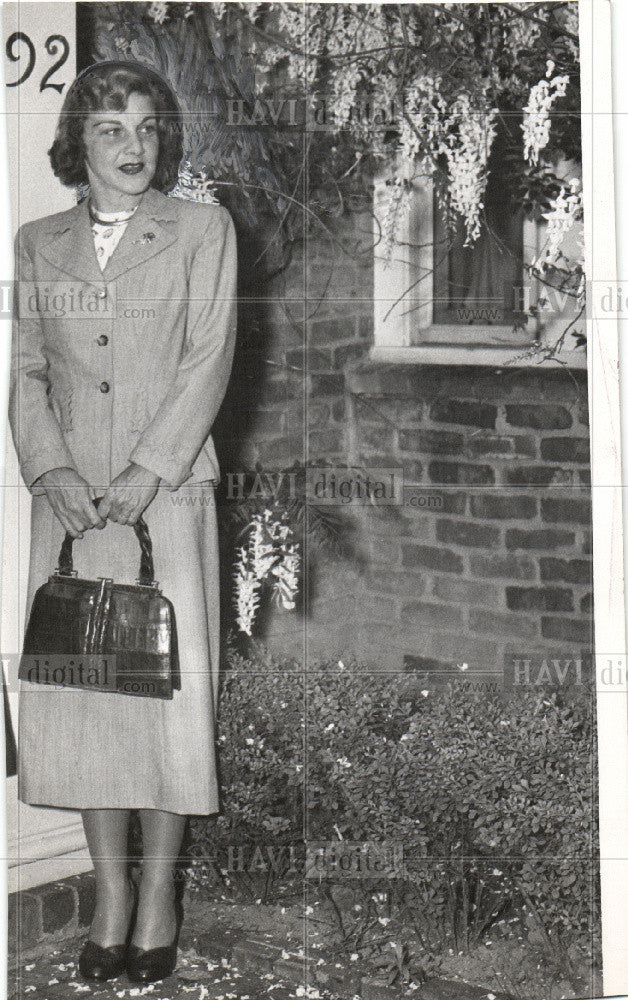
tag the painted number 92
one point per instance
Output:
(19, 46)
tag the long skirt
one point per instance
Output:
(82, 749)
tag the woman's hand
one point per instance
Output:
(70, 497)
(129, 495)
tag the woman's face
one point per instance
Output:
(121, 149)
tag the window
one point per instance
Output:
(437, 301)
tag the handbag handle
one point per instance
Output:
(147, 572)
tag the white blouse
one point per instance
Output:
(108, 230)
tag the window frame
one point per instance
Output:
(403, 289)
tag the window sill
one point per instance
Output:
(457, 354)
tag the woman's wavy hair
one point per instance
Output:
(107, 86)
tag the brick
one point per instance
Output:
(463, 411)
(567, 509)
(530, 475)
(510, 566)
(325, 330)
(500, 446)
(58, 908)
(450, 588)
(425, 615)
(273, 392)
(513, 507)
(539, 417)
(318, 359)
(264, 422)
(365, 327)
(375, 411)
(565, 449)
(586, 604)
(430, 500)
(318, 416)
(467, 533)
(321, 443)
(431, 442)
(348, 352)
(390, 582)
(327, 385)
(541, 538)
(283, 451)
(459, 472)
(295, 358)
(567, 570)
(378, 437)
(584, 476)
(587, 542)
(567, 629)
(495, 623)
(383, 550)
(430, 557)
(545, 385)
(377, 609)
(539, 599)
(338, 409)
(583, 412)
(412, 470)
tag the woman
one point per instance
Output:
(114, 396)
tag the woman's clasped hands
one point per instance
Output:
(72, 498)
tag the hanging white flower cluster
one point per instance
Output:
(421, 124)
(194, 185)
(565, 210)
(395, 203)
(536, 114)
(355, 28)
(271, 556)
(468, 136)
(303, 30)
(158, 12)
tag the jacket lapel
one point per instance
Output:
(71, 246)
(150, 230)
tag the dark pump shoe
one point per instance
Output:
(100, 964)
(152, 965)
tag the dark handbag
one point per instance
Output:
(103, 636)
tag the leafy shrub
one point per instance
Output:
(491, 795)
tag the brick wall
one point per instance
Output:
(499, 568)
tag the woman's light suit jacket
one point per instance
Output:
(129, 364)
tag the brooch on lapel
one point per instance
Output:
(145, 239)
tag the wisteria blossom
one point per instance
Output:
(158, 12)
(467, 146)
(564, 212)
(272, 558)
(536, 114)
(194, 185)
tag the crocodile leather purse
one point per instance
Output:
(99, 635)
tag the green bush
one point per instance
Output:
(491, 795)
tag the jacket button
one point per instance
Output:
(104, 387)
(103, 340)
(101, 293)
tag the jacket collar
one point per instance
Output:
(150, 230)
